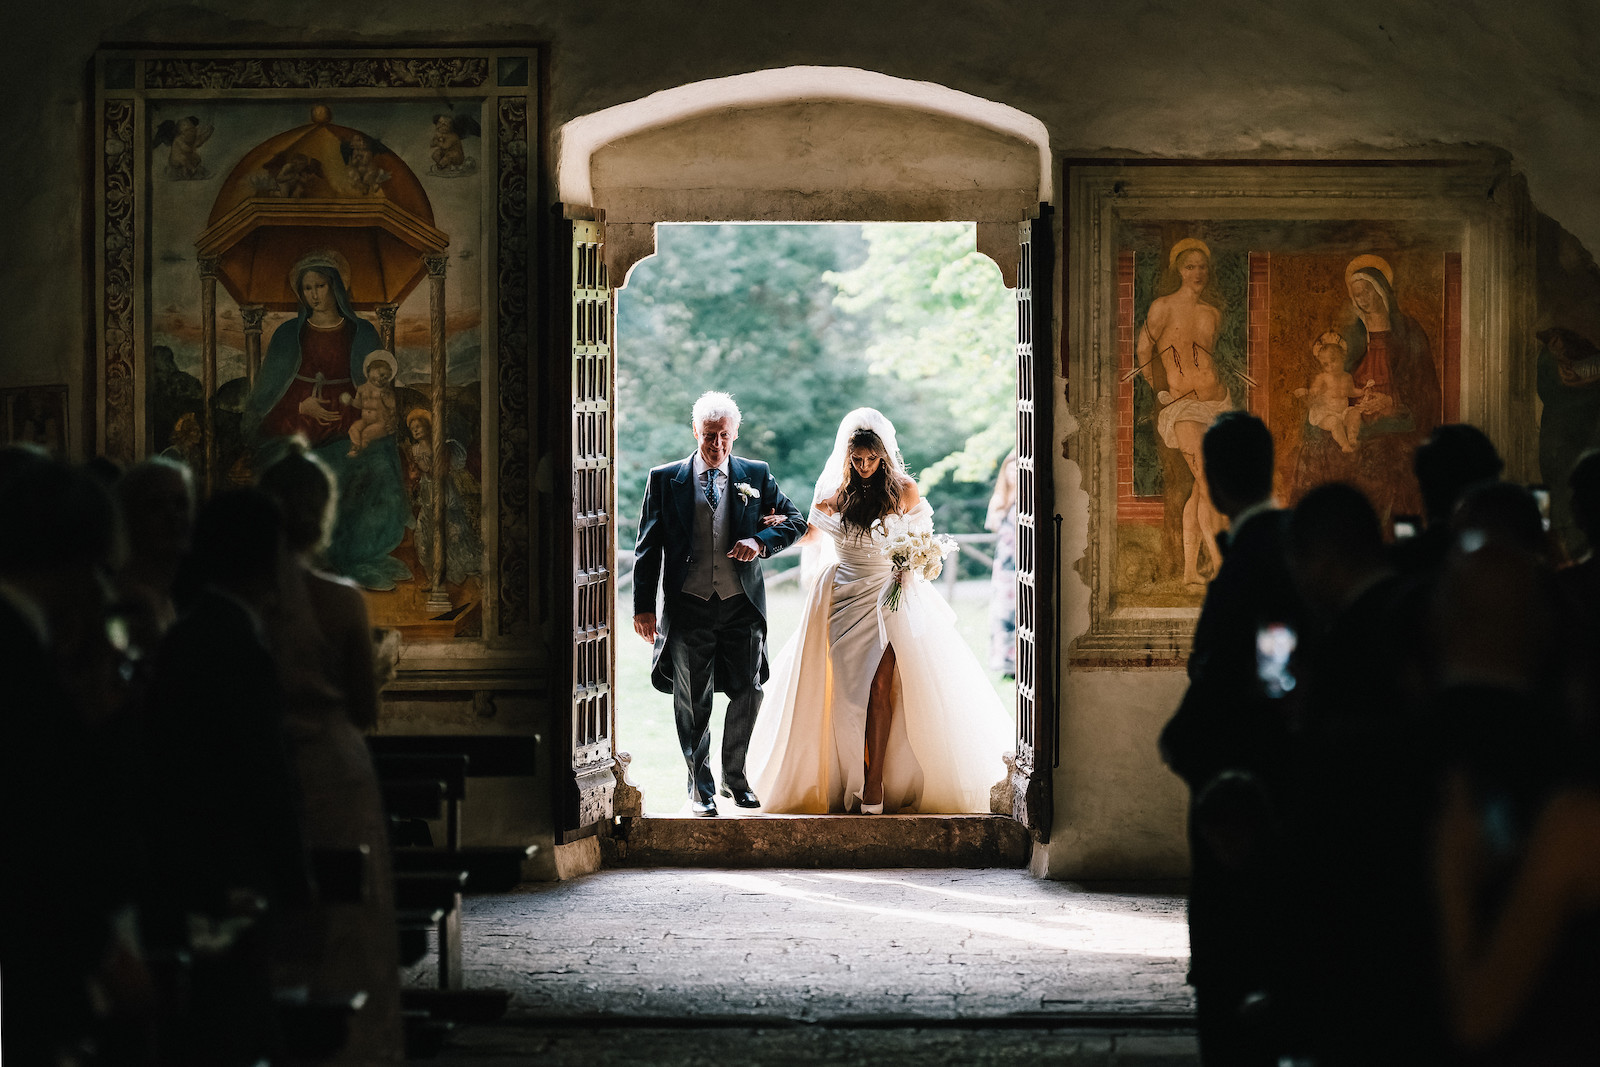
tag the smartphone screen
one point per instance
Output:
(1275, 645)
(1541, 496)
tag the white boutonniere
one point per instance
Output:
(747, 490)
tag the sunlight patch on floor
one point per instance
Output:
(1083, 929)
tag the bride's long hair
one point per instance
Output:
(863, 501)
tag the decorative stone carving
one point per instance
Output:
(1002, 792)
(117, 234)
(512, 249)
(290, 73)
(251, 315)
(628, 800)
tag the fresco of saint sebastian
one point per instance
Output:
(1181, 328)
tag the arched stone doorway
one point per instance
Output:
(798, 144)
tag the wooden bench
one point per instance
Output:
(416, 784)
(488, 755)
(416, 773)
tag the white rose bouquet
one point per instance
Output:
(913, 548)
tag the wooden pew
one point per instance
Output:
(416, 772)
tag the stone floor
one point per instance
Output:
(815, 1046)
(825, 967)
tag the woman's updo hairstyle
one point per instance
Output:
(308, 493)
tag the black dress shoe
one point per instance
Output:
(745, 798)
(702, 807)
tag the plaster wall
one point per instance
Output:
(1144, 77)
(1119, 813)
(860, 162)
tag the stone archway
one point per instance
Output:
(805, 144)
(798, 144)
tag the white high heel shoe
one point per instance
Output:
(869, 809)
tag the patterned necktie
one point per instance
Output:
(711, 488)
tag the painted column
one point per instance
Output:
(208, 366)
(438, 598)
(252, 314)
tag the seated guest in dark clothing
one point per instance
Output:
(1454, 458)
(1358, 935)
(157, 500)
(225, 795)
(69, 923)
(1226, 742)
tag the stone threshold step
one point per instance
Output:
(818, 841)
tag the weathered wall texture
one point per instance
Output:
(1227, 79)
(1234, 78)
(876, 162)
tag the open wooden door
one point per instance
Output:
(1032, 804)
(584, 793)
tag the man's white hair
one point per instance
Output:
(715, 406)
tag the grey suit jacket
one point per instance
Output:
(665, 547)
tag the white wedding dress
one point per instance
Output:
(949, 732)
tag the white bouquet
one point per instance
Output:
(913, 548)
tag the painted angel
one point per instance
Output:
(449, 154)
(185, 135)
(361, 168)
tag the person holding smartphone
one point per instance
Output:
(1227, 740)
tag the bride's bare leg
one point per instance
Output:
(880, 713)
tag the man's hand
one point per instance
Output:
(746, 550)
(644, 624)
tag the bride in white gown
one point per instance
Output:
(885, 710)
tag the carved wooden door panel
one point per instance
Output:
(1036, 642)
(586, 793)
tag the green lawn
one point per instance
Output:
(644, 716)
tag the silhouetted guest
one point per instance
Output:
(1583, 577)
(1521, 933)
(19, 454)
(1359, 927)
(69, 924)
(1504, 643)
(323, 642)
(1518, 840)
(1226, 740)
(1002, 521)
(227, 806)
(1501, 511)
(1580, 587)
(157, 501)
(1454, 458)
(103, 469)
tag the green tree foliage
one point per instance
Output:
(942, 322)
(803, 323)
(743, 309)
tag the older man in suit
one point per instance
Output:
(706, 523)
